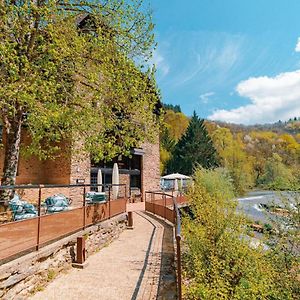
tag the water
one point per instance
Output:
(252, 203)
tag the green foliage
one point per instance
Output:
(277, 176)
(234, 158)
(195, 147)
(173, 127)
(246, 152)
(261, 158)
(175, 108)
(219, 263)
(69, 75)
(284, 243)
(176, 123)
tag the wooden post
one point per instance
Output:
(179, 280)
(80, 254)
(165, 205)
(109, 212)
(84, 207)
(80, 259)
(39, 219)
(130, 220)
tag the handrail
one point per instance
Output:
(177, 224)
(37, 186)
(178, 245)
(78, 213)
(178, 218)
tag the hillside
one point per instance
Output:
(291, 126)
(265, 156)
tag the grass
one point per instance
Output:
(51, 275)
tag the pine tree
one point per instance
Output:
(194, 148)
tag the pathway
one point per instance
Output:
(135, 266)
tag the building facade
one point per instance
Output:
(139, 173)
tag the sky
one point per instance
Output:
(230, 60)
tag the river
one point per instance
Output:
(251, 203)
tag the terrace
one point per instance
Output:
(132, 264)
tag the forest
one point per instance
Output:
(257, 156)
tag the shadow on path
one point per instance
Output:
(167, 289)
(139, 282)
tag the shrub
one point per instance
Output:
(218, 261)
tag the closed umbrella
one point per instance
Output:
(99, 180)
(115, 180)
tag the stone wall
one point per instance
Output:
(32, 195)
(150, 167)
(29, 169)
(32, 170)
(28, 274)
(80, 169)
(124, 179)
(58, 170)
(65, 168)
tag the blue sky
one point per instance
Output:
(232, 60)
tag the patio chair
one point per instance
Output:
(95, 197)
(57, 203)
(22, 210)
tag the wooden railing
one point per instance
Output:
(18, 237)
(166, 206)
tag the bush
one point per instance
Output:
(218, 261)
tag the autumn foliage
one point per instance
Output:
(265, 156)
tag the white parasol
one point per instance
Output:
(175, 176)
(99, 180)
(115, 180)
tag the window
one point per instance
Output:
(135, 181)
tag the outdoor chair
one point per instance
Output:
(57, 203)
(95, 197)
(21, 209)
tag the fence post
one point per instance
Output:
(130, 220)
(39, 219)
(179, 279)
(80, 254)
(153, 201)
(84, 207)
(165, 205)
(109, 202)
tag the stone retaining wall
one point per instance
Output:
(30, 273)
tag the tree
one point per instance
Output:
(175, 108)
(177, 123)
(173, 127)
(67, 72)
(167, 144)
(277, 175)
(194, 147)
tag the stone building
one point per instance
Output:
(140, 172)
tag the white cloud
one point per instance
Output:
(160, 63)
(297, 48)
(206, 57)
(204, 98)
(272, 99)
(229, 55)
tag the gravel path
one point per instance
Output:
(129, 268)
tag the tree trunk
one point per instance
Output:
(11, 158)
